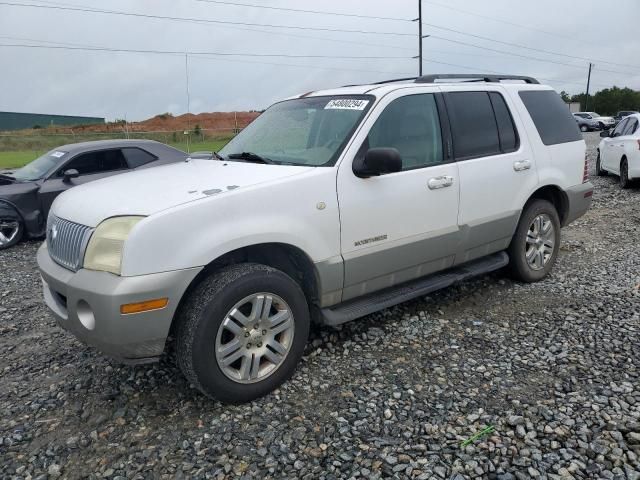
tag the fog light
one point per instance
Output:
(146, 306)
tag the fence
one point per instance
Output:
(41, 142)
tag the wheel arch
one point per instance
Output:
(282, 256)
(556, 196)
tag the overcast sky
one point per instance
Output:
(140, 85)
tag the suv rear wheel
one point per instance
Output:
(534, 247)
(242, 332)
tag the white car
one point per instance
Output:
(603, 122)
(330, 206)
(619, 151)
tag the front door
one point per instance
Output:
(399, 226)
(613, 148)
(91, 166)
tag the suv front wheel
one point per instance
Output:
(242, 332)
(535, 245)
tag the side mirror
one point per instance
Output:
(605, 133)
(378, 161)
(70, 174)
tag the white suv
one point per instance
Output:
(330, 206)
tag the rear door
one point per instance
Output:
(497, 170)
(90, 165)
(613, 148)
(399, 226)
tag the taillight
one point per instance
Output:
(585, 174)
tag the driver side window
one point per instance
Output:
(411, 125)
(96, 162)
(620, 128)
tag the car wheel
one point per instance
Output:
(11, 231)
(241, 332)
(584, 128)
(599, 171)
(534, 247)
(601, 125)
(624, 174)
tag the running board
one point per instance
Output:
(376, 301)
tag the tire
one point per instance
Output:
(11, 232)
(584, 128)
(523, 244)
(599, 171)
(206, 318)
(624, 174)
(602, 127)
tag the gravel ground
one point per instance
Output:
(553, 367)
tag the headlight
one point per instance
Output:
(104, 252)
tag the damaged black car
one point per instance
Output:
(26, 194)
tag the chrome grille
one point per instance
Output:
(66, 242)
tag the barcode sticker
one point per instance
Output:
(347, 104)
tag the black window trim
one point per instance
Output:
(135, 147)
(513, 123)
(445, 134)
(473, 157)
(59, 173)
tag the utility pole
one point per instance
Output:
(420, 37)
(586, 99)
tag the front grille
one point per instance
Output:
(66, 242)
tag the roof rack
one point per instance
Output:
(473, 77)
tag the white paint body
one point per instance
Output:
(624, 145)
(189, 226)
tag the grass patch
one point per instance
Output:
(18, 158)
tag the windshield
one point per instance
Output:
(39, 167)
(306, 131)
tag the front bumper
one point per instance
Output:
(87, 304)
(579, 198)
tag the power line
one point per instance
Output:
(501, 20)
(298, 10)
(178, 52)
(504, 52)
(202, 20)
(526, 47)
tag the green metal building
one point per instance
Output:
(19, 121)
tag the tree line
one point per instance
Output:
(608, 101)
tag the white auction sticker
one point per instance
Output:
(347, 104)
(58, 154)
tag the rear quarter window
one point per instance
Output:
(551, 116)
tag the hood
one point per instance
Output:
(608, 119)
(148, 191)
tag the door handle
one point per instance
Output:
(440, 182)
(522, 165)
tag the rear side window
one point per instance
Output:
(473, 124)
(550, 116)
(509, 141)
(137, 157)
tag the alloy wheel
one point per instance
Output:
(540, 242)
(9, 229)
(255, 338)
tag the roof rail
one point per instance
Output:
(473, 77)
(383, 82)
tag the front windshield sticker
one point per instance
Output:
(58, 154)
(347, 104)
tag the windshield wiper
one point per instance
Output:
(251, 157)
(218, 156)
